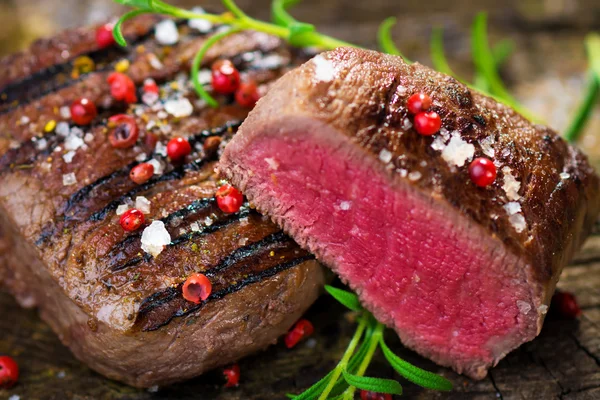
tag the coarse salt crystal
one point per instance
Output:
(511, 185)
(162, 114)
(88, 138)
(242, 241)
(403, 173)
(68, 157)
(445, 133)
(158, 166)
(414, 176)
(143, 204)
(345, 205)
(512, 208)
(439, 143)
(195, 227)
(166, 32)
(122, 209)
(518, 222)
(401, 90)
(24, 120)
(385, 155)
(179, 108)
(271, 61)
(523, 306)
(65, 112)
(62, 129)
(273, 164)
(69, 179)
(406, 124)
(73, 142)
(149, 98)
(41, 144)
(457, 152)
(543, 309)
(161, 149)
(487, 146)
(140, 157)
(565, 175)
(324, 71)
(200, 25)
(154, 61)
(154, 238)
(208, 221)
(204, 76)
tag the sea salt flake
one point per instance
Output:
(208, 221)
(401, 90)
(140, 157)
(68, 157)
(41, 144)
(73, 142)
(457, 152)
(88, 138)
(518, 222)
(324, 71)
(512, 208)
(24, 120)
(487, 146)
(406, 124)
(155, 62)
(565, 175)
(143, 204)
(122, 209)
(62, 129)
(439, 143)
(195, 227)
(65, 112)
(511, 185)
(166, 32)
(154, 238)
(414, 176)
(385, 155)
(69, 179)
(345, 205)
(200, 25)
(149, 98)
(161, 149)
(204, 76)
(523, 306)
(272, 162)
(162, 114)
(179, 108)
(445, 133)
(271, 61)
(242, 241)
(158, 166)
(543, 309)
(403, 173)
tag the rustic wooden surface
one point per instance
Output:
(546, 72)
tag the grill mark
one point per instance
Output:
(58, 76)
(84, 192)
(207, 230)
(183, 307)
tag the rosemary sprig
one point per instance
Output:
(349, 373)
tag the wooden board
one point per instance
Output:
(546, 72)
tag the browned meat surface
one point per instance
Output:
(464, 274)
(118, 308)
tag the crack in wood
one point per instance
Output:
(498, 392)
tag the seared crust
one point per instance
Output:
(94, 285)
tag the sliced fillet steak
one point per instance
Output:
(62, 249)
(464, 274)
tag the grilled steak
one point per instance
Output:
(463, 273)
(119, 309)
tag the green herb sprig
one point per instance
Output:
(349, 374)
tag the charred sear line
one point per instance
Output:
(215, 226)
(183, 308)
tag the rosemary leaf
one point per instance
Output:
(384, 38)
(378, 385)
(348, 299)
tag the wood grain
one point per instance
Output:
(546, 72)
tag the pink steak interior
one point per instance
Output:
(449, 290)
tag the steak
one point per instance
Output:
(464, 274)
(62, 249)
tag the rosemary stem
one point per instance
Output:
(373, 345)
(347, 355)
(584, 110)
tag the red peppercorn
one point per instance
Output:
(565, 305)
(482, 171)
(367, 395)
(427, 123)
(122, 87)
(150, 86)
(178, 148)
(418, 102)
(9, 372)
(197, 288)
(225, 77)
(83, 111)
(142, 173)
(229, 199)
(232, 374)
(247, 94)
(125, 134)
(132, 220)
(104, 36)
(302, 329)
